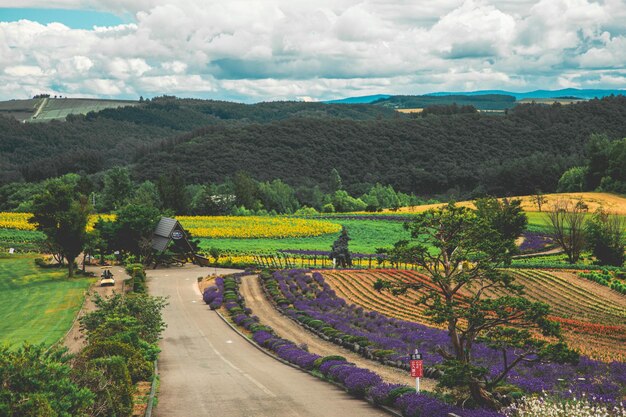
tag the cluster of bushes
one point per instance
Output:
(122, 335)
(359, 382)
(605, 278)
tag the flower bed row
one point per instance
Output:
(604, 278)
(308, 299)
(359, 382)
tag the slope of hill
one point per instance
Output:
(359, 99)
(514, 154)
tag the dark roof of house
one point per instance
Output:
(163, 233)
(165, 227)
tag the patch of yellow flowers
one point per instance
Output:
(255, 227)
(216, 227)
(19, 221)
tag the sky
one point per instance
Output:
(262, 50)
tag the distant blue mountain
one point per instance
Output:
(359, 100)
(566, 92)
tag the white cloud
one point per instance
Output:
(281, 49)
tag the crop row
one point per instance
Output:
(604, 278)
(359, 382)
(572, 309)
(306, 297)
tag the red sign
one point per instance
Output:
(417, 371)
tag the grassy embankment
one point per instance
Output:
(37, 305)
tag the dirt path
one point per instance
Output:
(75, 340)
(252, 292)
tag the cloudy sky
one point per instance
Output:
(253, 50)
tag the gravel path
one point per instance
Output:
(75, 340)
(252, 292)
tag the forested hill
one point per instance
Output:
(301, 143)
(514, 154)
(111, 137)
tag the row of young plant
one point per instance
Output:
(359, 382)
(605, 278)
(100, 380)
(306, 297)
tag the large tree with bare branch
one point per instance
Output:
(461, 251)
(566, 220)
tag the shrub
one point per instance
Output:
(325, 359)
(139, 368)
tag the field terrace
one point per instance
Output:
(310, 294)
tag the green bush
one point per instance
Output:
(319, 361)
(139, 368)
(118, 392)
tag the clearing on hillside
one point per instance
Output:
(611, 202)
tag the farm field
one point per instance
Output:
(37, 305)
(611, 202)
(366, 235)
(592, 316)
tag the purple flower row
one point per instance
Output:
(535, 242)
(316, 304)
(357, 381)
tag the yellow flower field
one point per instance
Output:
(19, 221)
(216, 227)
(255, 227)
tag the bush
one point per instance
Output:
(325, 359)
(139, 368)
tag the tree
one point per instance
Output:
(539, 199)
(604, 232)
(566, 221)
(246, 191)
(460, 252)
(340, 251)
(504, 216)
(335, 182)
(598, 153)
(171, 188)
(117, 188)
(147, 194)
(61, 214)
(131, 230)
(573, 180)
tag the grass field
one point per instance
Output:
(37, 305)
(366, 235)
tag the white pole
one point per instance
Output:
(417, 385)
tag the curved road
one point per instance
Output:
(206, 369)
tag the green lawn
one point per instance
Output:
(366, 235)
(37, 305)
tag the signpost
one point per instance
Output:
(417, 369)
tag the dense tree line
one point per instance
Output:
(605, 169)
(115, 191)
(470, 154)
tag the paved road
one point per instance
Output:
(208, 370)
